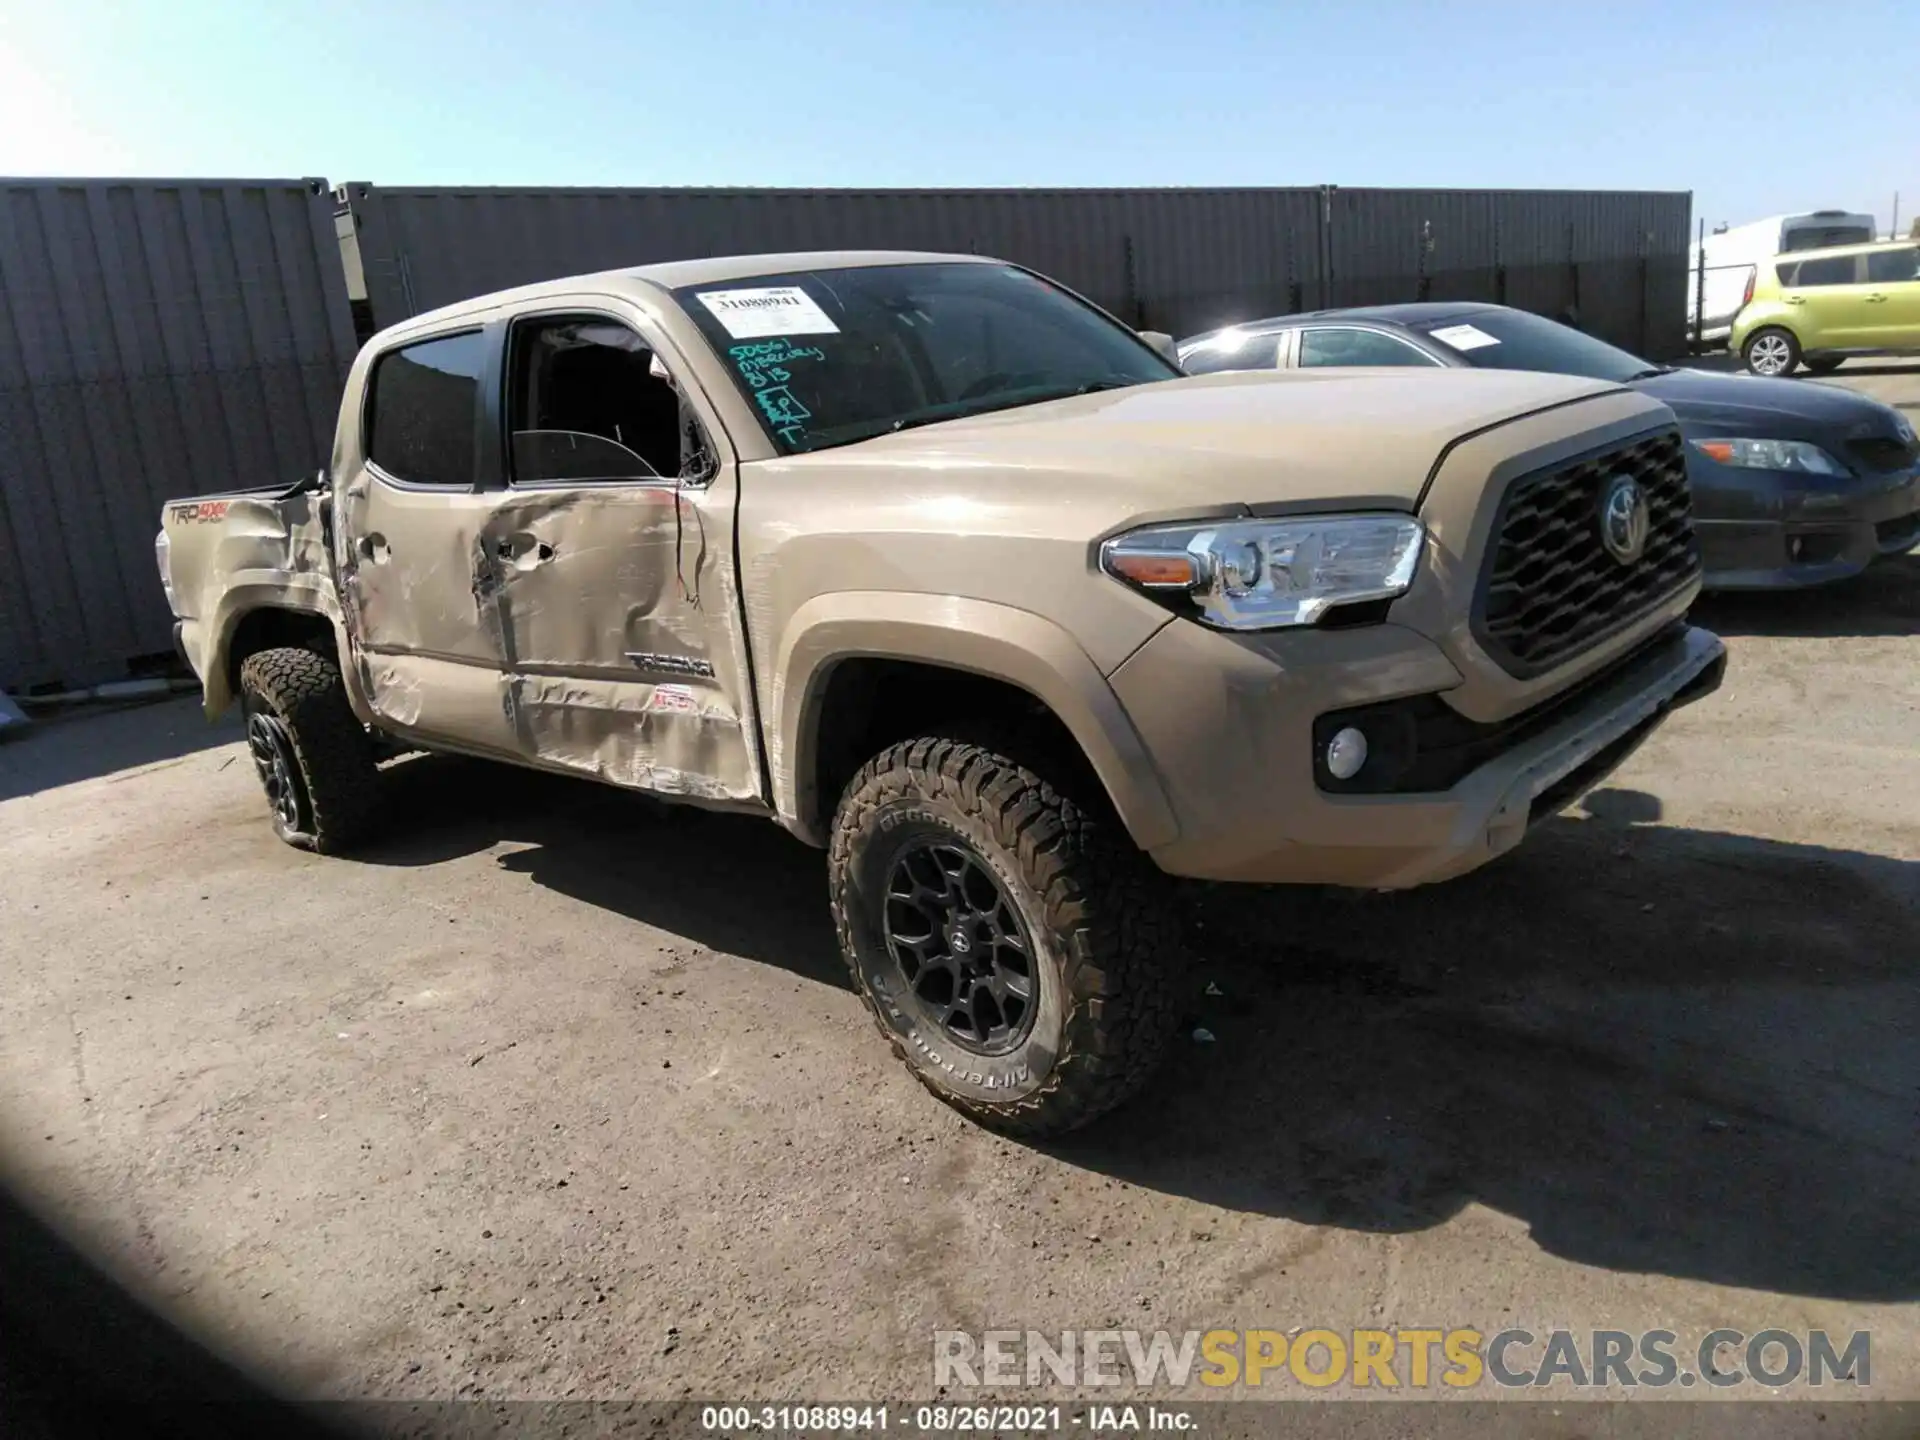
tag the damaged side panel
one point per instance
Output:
(623, 653)
(229, 555)
(584, 625)
(424, 619)
(581, 628)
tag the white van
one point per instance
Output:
(1724, 265)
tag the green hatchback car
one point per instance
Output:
(1817, 307)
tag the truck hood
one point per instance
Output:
(1261, 439)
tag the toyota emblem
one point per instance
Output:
(1624, 519)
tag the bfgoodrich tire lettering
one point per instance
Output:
(299, 696)
(1104, 948)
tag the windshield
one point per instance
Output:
(828, 357)
(1516, 340)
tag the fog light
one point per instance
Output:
(1346, 753)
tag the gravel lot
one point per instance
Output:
(553, 1094)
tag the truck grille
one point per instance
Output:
(1551, 588)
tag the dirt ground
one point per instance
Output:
(552, 1094)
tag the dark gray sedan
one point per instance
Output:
(1794, 483)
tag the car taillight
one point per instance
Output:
(1746, 298)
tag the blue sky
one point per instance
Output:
(1755, 107)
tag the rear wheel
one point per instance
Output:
(314, 759)
(1016, 952)
(1772, 351)
(1825, 364)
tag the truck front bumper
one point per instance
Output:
(1236, 751)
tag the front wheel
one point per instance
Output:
(1016, 953)
(1772, 351)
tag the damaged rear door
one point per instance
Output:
(613, 561)
(417, 491)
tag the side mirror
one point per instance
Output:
(1163, 342)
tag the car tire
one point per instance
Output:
(1771, 351)
(314, 758)
(1825, 364)
(937, 839)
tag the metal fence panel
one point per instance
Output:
(1613, 262)
(161, 338)
(157, 339)
(1176, 260)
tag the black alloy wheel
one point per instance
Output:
(271, 746)
(315, 760)
(960, 946)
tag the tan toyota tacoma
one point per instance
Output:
(945, 570)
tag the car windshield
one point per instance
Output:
(1516, 340)
(828, 357)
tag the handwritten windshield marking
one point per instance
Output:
(763, 365)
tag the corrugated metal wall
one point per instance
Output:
(160, 339)
(157, 339)
(1175, 260)
(1614, 262)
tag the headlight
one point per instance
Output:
(1771, 455)
(1264, 574)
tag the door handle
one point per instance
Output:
(1796, 299)
(523, 550)
(1875, 299)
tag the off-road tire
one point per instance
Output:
(1108, 949)
(337, 785)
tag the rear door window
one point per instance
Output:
(1826, 270)
(422, 416)
(1893, 267)
(1329, 345)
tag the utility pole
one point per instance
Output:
(1700, 287)
(1893, 230)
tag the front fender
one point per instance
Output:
(997, 641)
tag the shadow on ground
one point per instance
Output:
(734, 884)
(46, 756)
(1665, 1050)
(1885, 600)
(86, 1357)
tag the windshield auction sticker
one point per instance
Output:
(1463, 337)
(769, 310)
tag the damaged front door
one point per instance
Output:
(614, 567)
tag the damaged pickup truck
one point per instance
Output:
(948, 572)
